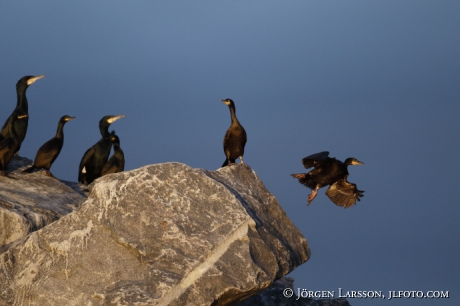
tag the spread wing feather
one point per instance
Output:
(315, 159)
(344, 193)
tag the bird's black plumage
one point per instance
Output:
(50, 150)
(95, 157)
(235, 138)
(9, 145)
(116, 162)
(22, 108)
(330, 171)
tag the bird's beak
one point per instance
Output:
(224, 101)
(357, 163)
(32, 80)
(114, 118)
(70, 118)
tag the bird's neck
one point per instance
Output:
(233, 114)
(117, 150)
(104, 131)
(346, 168)
(60, 130)
(22, 99)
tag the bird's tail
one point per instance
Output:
(305, 179)
(228, 161)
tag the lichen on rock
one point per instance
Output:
(164, 234)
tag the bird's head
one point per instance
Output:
(27, 80)
(227, 101)
(108, 120)
(66, 118)
(351, 161)
(114, 138)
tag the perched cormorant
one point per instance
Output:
(22, 108)
(9, 145)
(235, 138)
(116, 163)
(95, 157)
(49, 151)
(333, 172)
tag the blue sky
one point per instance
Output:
(376, 80)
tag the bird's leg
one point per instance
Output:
(229, 162)
(312, 195)
(244, 164)
(49, 174)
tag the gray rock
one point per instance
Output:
(29, 202)
(163, 234)
(274, 296)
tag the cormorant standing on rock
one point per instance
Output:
(333, 172)
(116, 163)
(95, 157)
(49, 151)
(22, 108)
(235, 138)
(9, 145)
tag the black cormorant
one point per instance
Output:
(8, 146)
(333, 172)
(22, 108)
(95, 157)
(49, 151)
(235, 138)
(116, 163)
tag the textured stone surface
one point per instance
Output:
(29, 202)
(273, 296)
(163, 234)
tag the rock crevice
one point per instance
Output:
(163, 234)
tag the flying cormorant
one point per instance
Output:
(95, 157)
(116, 163)
(8, 146)
(49, 151)
(333, 172)
(235, 138)
(22, 108)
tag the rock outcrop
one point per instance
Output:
(29, 202)
(275, 296)
(163, 234)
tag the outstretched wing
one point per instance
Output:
(344, 193)
(315, 159)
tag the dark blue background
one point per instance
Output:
(376, 80)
